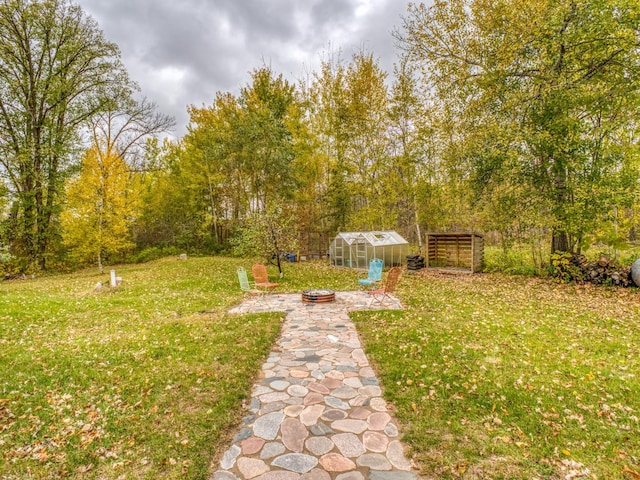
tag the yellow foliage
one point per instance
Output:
(102, 203)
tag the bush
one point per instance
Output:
(564, 267)
(154, 253)
(514, 261)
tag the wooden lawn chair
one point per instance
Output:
(261, 277)
(380, 296)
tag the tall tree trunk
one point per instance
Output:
(560, 237)
(560, 241)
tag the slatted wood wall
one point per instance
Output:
(464, 251)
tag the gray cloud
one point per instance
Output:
(181, 52)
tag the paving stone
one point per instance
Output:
(261, 390)
(332, 415)
(251, 445)
(251, 467)
(391, 430)
(375, 441)
(378, 420)
(316, 474)
(350, 426)
(370, 391)
(320, 429)
(294, 433)
(378, 404)
(313, 398)
(348, 444)
(336, 403)
(360, 401)
(254, 406)
(268, 425)
(360, 413)
(319, 445)
(350, 476)
(248, 419)
(293, 410)
(299, 373)
(271, 407)
(229, 457)
(353, 382)
(280, 385)
(334, 462)
(359, 356)
(370, 381)
(273, 397)
(297, 391)
(272, 449)
(242, 435)
(396, 456)
(331, 383)
(318, 388)
(377, 475)
(374, 461)
(296, 462)
(222, 475)
(347, 368)
(335, 375)
(309, 416)
(345, 392)
(278, 475)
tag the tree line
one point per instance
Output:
(499, 116)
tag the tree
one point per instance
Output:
(269, 233)
(125, 125)
(102, 204)
(542, 93)
(56, 71)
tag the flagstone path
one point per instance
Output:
(317, 411)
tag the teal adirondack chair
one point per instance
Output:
(374, 275)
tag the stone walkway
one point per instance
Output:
(317, 411)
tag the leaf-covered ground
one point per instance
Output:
(493, 376)
(513, 377)
(138, 382)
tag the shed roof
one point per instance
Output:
(375, 238)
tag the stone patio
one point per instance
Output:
(316, 411)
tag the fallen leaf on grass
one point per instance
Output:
(634, 474)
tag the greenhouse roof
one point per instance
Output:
(379, 238)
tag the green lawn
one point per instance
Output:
(492, 376)
(140, 382)
(513, 377)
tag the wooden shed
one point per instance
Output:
(460, 251)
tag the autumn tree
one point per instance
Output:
(102, 204)
(237, 158)
(540, 95)
(56, 71)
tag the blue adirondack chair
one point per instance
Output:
(374, 275)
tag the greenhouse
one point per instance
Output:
(356, 249)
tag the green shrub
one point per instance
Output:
(564, 268)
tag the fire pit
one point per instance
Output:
(318, 296)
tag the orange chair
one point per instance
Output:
(381, 295)
(261, 278)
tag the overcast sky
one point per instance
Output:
(181, 52)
